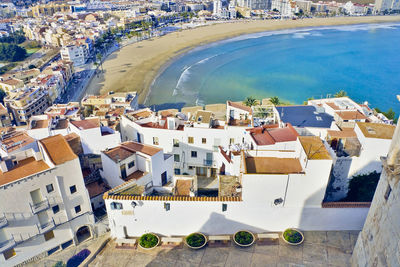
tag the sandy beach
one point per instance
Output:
(134, 67)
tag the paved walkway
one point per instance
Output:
(318, 249)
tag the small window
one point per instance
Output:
(318, 118)
(155, 141)
(191, 167)
(176, 142)
(72, 189)
(78, 209)
(177, 171)
(49, 188)
(204, 140)
(194, 154)
(167, 206)
(176, 158)
(190, 140)
(116, 206)
(56, 209)
(388, 191)
(131, 164)
(9, 253)
(231, 141)
(224, 207)
(49, 235)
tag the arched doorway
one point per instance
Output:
(83, 234)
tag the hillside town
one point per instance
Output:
(77, 166)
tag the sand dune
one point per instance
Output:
(134, 67)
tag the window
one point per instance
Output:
(78, 209)
(72, 189)
(9, 253)
(177, 171)
(194, 154)
(116, 206)
(191, 167)
(131, 164)
(224, 207)
(49, 188)
(388, 191)
(176, 142)
(176, 158)
(204, 140)
(155, 141)
(48, 235)
(167, 206)
(190, 140)
(56, 209)
(231, 141)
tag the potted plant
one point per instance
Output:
(293, 236)
(149, 241)
(196, 240)
(244, 238)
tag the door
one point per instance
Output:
(123, 171)
(231, 114)
(209, 159)
(164, 178)
(138, 137)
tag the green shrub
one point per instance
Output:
(59, 264)
(362, 187)
(292, 236)
(195, 240)
(148, 240)
(244, 237)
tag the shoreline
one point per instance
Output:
(136, 66)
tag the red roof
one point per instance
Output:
(268, 135)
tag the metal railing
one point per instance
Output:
(40, 206)
(208, 162)
(4, 245)
(43, 228)
(3, 221)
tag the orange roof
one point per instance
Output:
(58, 149)
(345, 133)
(12, 82)
(145, 149)
(97, 188)
(40, 124)
(15, 140)
(271, 165)
(351, 115)
(86, 124)
(23, 169)
(239, 106)
(314, 147)
(271, 134)
(182, 187)
(118, 153)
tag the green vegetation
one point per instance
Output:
(341, 93)
(2, 95)
(390, 114)
(17, 37)
(250, 101)
(195, 240)
(148, 241)
(292, 236)
(11, 52)
(7, 67)
(275, 100)
(244, 238)
(59, 264)
(362, 187)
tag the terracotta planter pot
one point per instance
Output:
(205, 241)
(158, 242)
(241, 245)
(290, 243)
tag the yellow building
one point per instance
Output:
(50, 9)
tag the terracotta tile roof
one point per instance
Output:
(145, 149)
(71, 136)
(97, 188)
(58, 149)
(39, 124)
(314, 147)
(135, 175)
(182, 187)
(269, 135)
(118, 153)
(226, 156)
(86, 124)
(11, 81)
(15, 140)
(24, 168)
(239, 106)
(351, 115)
(344, 133)
(141, 114)
(271, 165)
(333, 106)
(376, 130)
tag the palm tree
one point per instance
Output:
(250, 101)
(99, 57)
(341, 93)
(275, 100)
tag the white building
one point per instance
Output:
(147, 165)
(78, 54)
(94, 137)
(45, 205)
(386, 5)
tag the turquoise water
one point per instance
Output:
(363, 60)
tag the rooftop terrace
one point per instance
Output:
(272, 165)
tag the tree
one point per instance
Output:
(12, 52)
(99, 57)
(2, 95)
(250, 101)
(275, 100)
(341, 93)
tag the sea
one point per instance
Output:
(294, 65)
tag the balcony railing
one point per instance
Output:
(208, 162)
(45, 227)
(40, 206)
(5, 245)
(3, 221)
